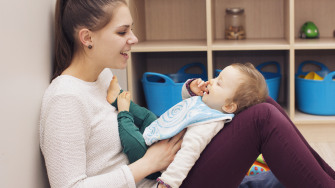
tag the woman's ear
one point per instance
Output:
(85, 37)
(230, 108)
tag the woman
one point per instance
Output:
(79, 132)
(79, 136)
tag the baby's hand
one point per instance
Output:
(199, 86)
(123, 101)
(113, 90)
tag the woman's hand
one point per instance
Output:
(158, 157)
(199, 86)
(162, 153)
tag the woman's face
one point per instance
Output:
(112, 43)
(222, 88)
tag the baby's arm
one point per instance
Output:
(195, 140)
(194, 87)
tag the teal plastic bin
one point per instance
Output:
(272, 79)
(315, 97)
(162, 91)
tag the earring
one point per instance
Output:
(89, 46)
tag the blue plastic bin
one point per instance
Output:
(162, 91)
(272, 79)
(315, 96)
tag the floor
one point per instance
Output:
(326, 150)
(322, 139)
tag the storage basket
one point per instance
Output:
(272, 79)
(162, 91)
(315, 96)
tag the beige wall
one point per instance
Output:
(25, 51)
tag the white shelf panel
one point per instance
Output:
(251, 44)
(312, 44)
(303, 118)
(170, 46)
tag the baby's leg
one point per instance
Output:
(123, 101)
(113, 90)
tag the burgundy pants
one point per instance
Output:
(264, 128)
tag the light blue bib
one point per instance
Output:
(189, 112)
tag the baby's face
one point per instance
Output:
(222, 88)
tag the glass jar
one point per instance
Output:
(235, 24)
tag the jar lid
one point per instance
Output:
(234, 10)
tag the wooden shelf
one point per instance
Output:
(251, 44)
(303, 118)
(173, 33)
(314, 44)
(170, 46)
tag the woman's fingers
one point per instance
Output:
(177, 137)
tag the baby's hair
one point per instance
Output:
(252, 89)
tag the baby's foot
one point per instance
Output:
(123, 101)
(113, 90)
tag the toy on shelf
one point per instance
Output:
(313, 76)
(309, 31)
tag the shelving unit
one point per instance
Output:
(173, 33)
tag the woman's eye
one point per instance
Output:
(122, 33)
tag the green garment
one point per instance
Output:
(131, 127)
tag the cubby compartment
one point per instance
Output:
(161, 62)
(327, 58)
(270, 13)
(221, 59)
(321, 13)
(168, 25)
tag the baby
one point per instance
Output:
(237, 87)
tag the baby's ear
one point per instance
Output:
(230, 108)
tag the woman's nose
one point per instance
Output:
(132, 39)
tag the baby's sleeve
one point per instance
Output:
(186, 91)
(195, 140)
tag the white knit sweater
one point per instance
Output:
(79, 136)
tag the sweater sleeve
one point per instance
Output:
(64, 134)
(195, 140)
